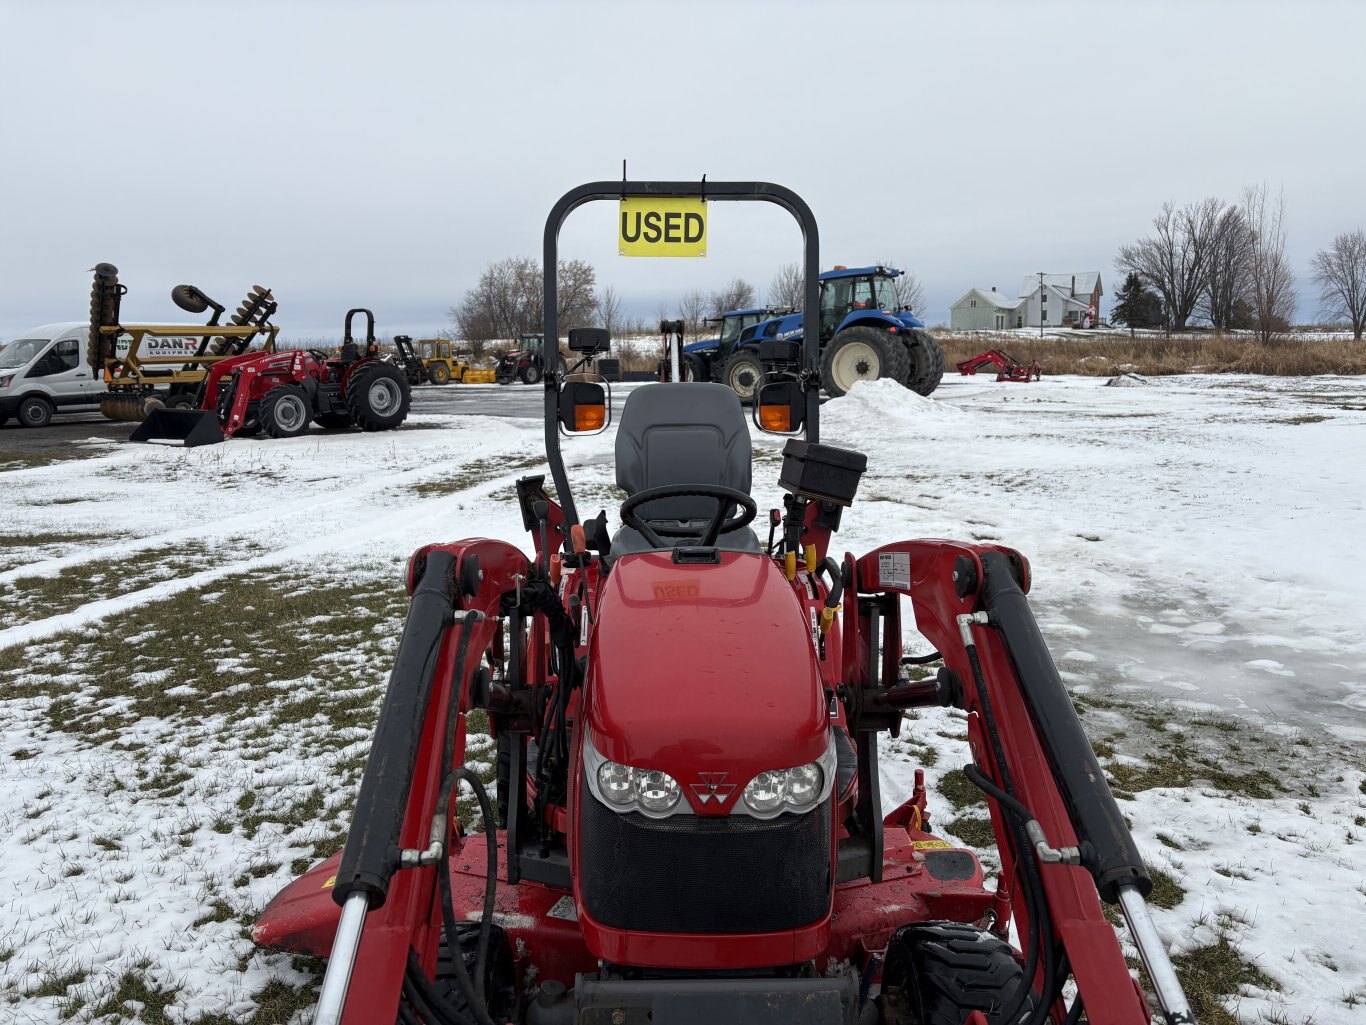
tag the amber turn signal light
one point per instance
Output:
(775, 418)
(589, 418)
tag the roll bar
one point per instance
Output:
(764, 192)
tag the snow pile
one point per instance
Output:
(1128, 381)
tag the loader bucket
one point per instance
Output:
(184, 427)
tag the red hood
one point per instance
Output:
(704, 668)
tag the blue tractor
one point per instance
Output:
(708, 360)
(864, 335)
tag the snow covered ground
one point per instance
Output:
(170, 621)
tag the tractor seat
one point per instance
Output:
(678, 434)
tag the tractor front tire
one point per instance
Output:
(862, 354)
(697, 369)
(285, 411)
(532, 374)
(500, 981)
(927, 364)
(35, 411)
(439, 373)
(743, 374)
(938, 973)
(378, 397)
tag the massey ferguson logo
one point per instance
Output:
(713, 787)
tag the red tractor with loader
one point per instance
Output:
(282, 393)
(688, 720)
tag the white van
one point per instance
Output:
(44, 371)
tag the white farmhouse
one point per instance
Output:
(985, 311)
(1061, 300)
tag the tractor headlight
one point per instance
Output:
(764, 794)
(656, 791)
(617, 783)
(804, 786)
(798, 790)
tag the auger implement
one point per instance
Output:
(688, 825)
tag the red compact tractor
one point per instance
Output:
(281, 393)
(1008, 368)
(688, 721)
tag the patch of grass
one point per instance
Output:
(1167, 841)
(973, 830)
(1167, 892)
(1172, 770)
(1106, 354)
(959, 790)
(473, 474)
(1214, 972)
(133, 987)
(34, 460)
(55, 984)
(23, 754)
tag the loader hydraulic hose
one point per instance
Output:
(1108, 849)
(371, 853)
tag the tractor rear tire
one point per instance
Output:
(697, 369)
(500, 981)
(862, 354)
(285, 411)
(439, 373)
(743, 374)
(378, 397)
(938, 973)
(927, 364)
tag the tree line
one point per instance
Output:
(1225, 263)
(508, 301)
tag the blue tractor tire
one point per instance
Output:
(862, 354)
(927, 363)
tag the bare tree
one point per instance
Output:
(1273, 282)
(1175, 259)
(576, 299)
(509, 300)
(609, 311)
(787, 286)
(1340, 272)
(910, 292)
(738, 295)
(691, 309)
(1227, 297)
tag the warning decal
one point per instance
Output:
(894, 571)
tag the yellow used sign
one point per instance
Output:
(658, 226)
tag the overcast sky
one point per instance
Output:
(380, 155)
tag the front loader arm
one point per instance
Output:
(1027, 743)
(386, 879)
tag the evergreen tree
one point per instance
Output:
(1136, 305)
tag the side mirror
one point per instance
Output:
(780, 405)
(585, 406)
(589, 340)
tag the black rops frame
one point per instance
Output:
(765, 192)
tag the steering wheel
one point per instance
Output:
(723, 497)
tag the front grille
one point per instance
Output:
(695, 874)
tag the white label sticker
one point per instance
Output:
(894, 570)
(564, 909)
